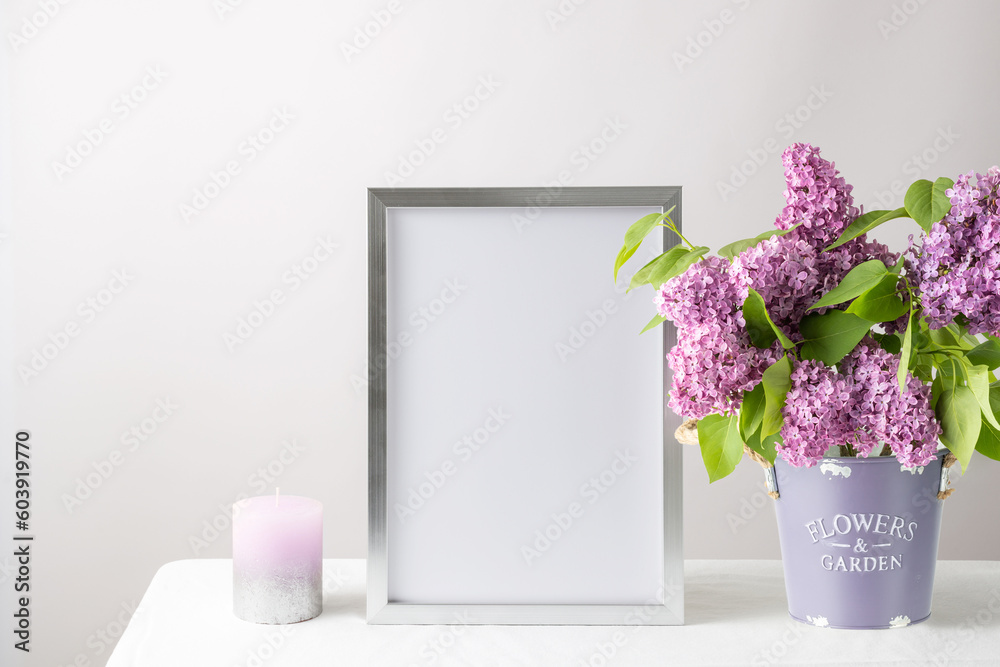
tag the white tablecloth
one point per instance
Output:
(735, 615)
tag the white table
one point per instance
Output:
(735, 612)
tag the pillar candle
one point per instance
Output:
(277, 559)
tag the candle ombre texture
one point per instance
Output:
(277, 559)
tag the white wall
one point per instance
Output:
(877, 98)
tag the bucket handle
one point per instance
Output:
(771, 481)
(944, 488)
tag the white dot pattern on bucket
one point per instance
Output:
(834, 470)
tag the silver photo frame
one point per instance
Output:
(521, 464)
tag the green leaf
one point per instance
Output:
(859, 280)
(923, 368)
(988, 443)
(920, 338)
(623, 256)
(763, 331)
(906, 353)
(962, 338)
(944, 337)
(752, 410)
(682, 264)
(653, 323)
(959, 414)
(641, 228)
(733, 249)
(927, 202)
(661, 272)
(951, 372)
(635, 234)
(979, 383)
(968, 340)
(641, 276)
(766, 447)
(777, 381)
(656, 266)
(880, 303)
(736, 247)
(866, 223)
(986, 354)
(889, 342)
(937, 388)
(830, 336)
(721, 446)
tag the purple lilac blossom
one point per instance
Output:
(861, 405)
(956, 269)
(714, 360)
(791, 275)
(816, 196)
(792, 272)
(815, 414)
(904, 420)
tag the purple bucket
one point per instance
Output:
(859, 540)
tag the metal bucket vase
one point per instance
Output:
(859, 540)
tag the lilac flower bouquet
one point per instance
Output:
(811, 340)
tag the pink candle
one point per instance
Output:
(277, 559)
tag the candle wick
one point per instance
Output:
(276, 490)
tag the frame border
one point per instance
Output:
(669, 609)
